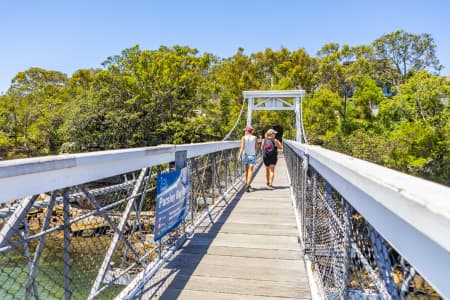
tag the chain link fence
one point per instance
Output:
(91, 240)
(349, 258)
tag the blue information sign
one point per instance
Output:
(172, 198)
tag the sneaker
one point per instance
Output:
(248, 188)
(268, 186)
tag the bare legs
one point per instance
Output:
(248, 175)
(270, 174)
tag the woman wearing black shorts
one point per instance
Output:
(269, 148)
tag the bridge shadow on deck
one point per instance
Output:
(178, 271)
(192, 254)
(250, 251)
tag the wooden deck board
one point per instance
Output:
(244, 252)
(265, 229)
(247, 287)
(201, 295)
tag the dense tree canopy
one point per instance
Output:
(380, 102)
(31, 113)
(408, 53)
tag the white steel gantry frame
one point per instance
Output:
(275, 100)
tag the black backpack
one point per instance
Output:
(269, 148)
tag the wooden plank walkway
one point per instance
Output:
(250, 252)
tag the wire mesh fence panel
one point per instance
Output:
(91, 240)
(54, 244)
(350, 259)
(209, 188)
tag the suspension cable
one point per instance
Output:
(235, 123)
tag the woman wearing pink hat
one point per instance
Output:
(247, 154)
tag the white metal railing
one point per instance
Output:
(99, 207)
(406, 217)
(370, 230)
(48, 173)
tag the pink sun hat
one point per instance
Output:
(248, 128)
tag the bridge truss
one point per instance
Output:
(278, 100)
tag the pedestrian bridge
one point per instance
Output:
(82, 226)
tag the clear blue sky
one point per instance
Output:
(71, 35)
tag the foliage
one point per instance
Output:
(321, 115)
(177, 95)
(228, 79)
(31, 113)
(367, 97)
(364, 144)
(409, 53)
(418, 122)
(137, 98)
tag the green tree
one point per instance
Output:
(366, 144)
(423, 97)
(418, 122)
(6, 128)
(283, 68)
(133, 101)
(33, 108)
(367, 97)
(340, 69)
(409, 53)
(229, 78)
(321, 114)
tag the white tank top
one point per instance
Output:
(249, 147)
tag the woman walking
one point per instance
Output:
(269, 148)
(247, 153)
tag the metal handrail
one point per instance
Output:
(411, 214)
(100, 208)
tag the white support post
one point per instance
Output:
(275, 100)
(298, 136)
(250, 111)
